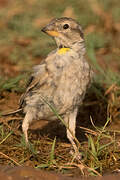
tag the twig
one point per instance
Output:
(12, 112)
(5, 138)
(10, 158)
(110, 89)
(89, 131)
(10, 119)
(81, 166)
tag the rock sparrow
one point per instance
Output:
(60, 81)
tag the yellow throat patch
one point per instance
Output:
(63, 50)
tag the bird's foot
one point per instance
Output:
(76, 155)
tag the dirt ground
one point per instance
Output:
(102, 102)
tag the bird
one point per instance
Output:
(60, 81)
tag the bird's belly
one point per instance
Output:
(61, 93)
(61, 100)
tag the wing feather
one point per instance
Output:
(38, 77)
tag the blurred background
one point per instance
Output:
(22, 45)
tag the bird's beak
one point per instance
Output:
(49, 29)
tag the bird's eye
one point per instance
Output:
(66, 26)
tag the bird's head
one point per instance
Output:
(66, 32)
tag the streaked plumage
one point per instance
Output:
(61, 80)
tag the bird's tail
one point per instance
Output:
(13, 112)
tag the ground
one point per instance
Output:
(23, 45)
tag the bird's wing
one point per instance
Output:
(38, 77)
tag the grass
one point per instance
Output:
(96, 149)
(51, 162)
(22, 44)
(13, 84)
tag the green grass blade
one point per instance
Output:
(52, 151)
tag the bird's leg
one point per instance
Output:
(71, 122)
(25, 125)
